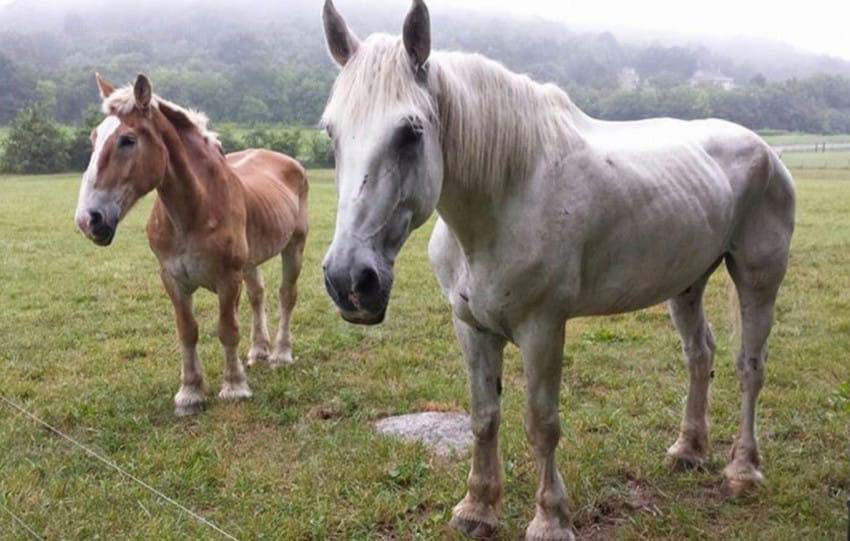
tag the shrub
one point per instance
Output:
(321, 151)
(230, 142)
(285, 141)
(35, 144)
(79, 146)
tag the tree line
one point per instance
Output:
(260, 63)
(37, 144)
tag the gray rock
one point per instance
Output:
(445, 434)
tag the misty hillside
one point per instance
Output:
(261, 61)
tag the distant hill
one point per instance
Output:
(264, 61)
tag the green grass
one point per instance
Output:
(87, 342)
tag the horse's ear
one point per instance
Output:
(104, 88)
(417, 33)
(142, 91)
(342, 43)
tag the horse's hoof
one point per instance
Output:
(189, 408)
(688, 453)
(257, 356)
(280, 358)
(473, 528)
(548, 530)
(680, 458)
(741, 480)
(238, 391)
(476, 520)
(189, 400)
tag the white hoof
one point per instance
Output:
(189, 401)
(281, 358)
(235, 391)
(548, 530)
(742, 478)
(684, 455)
(258, 355)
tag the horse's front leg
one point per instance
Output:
(235, 384)
(477, 513)
(189, 400)
(542, 346)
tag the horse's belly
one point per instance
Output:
(654, 267)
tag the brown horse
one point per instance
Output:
(216, 218)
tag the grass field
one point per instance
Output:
(88, 344)
(817, 160)
(791, 138)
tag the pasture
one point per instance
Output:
(87, 342)
(792, 138)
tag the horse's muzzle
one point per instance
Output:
(360, 292)
(98, 228)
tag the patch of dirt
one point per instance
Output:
(325, 412)
(388, 529)
(608, 515)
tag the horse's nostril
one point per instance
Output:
(366, 282)
(95, 218)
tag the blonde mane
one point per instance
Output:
(493, 123)
(123, 101)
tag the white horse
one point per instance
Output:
(547, 215)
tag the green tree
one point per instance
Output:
(35, 144)
(79, 147)
(16, 91)
(230, 142)
(285, 141)
(320, 151)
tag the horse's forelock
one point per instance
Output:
(378, 85)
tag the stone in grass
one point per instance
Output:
(446, 434)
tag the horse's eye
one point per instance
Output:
(126, 141)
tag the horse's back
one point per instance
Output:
(275, 199)
(678, 195)
(261, 169)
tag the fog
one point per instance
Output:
(812, 26)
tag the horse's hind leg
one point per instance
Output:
(260, 341)
(691, 447)
(757, 265)
(292, 257)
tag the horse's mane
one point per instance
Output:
(493, 123)
(123, 100)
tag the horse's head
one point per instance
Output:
(129, 160)
(383, 121)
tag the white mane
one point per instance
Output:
(493, 123)
(123, 101)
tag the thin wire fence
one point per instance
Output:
(115, 467)
(20, 522)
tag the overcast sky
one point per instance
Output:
(819, 26)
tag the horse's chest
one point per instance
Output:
(484, 304)
(190, 270)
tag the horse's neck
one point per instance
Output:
(190, 175)
(493, 147)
